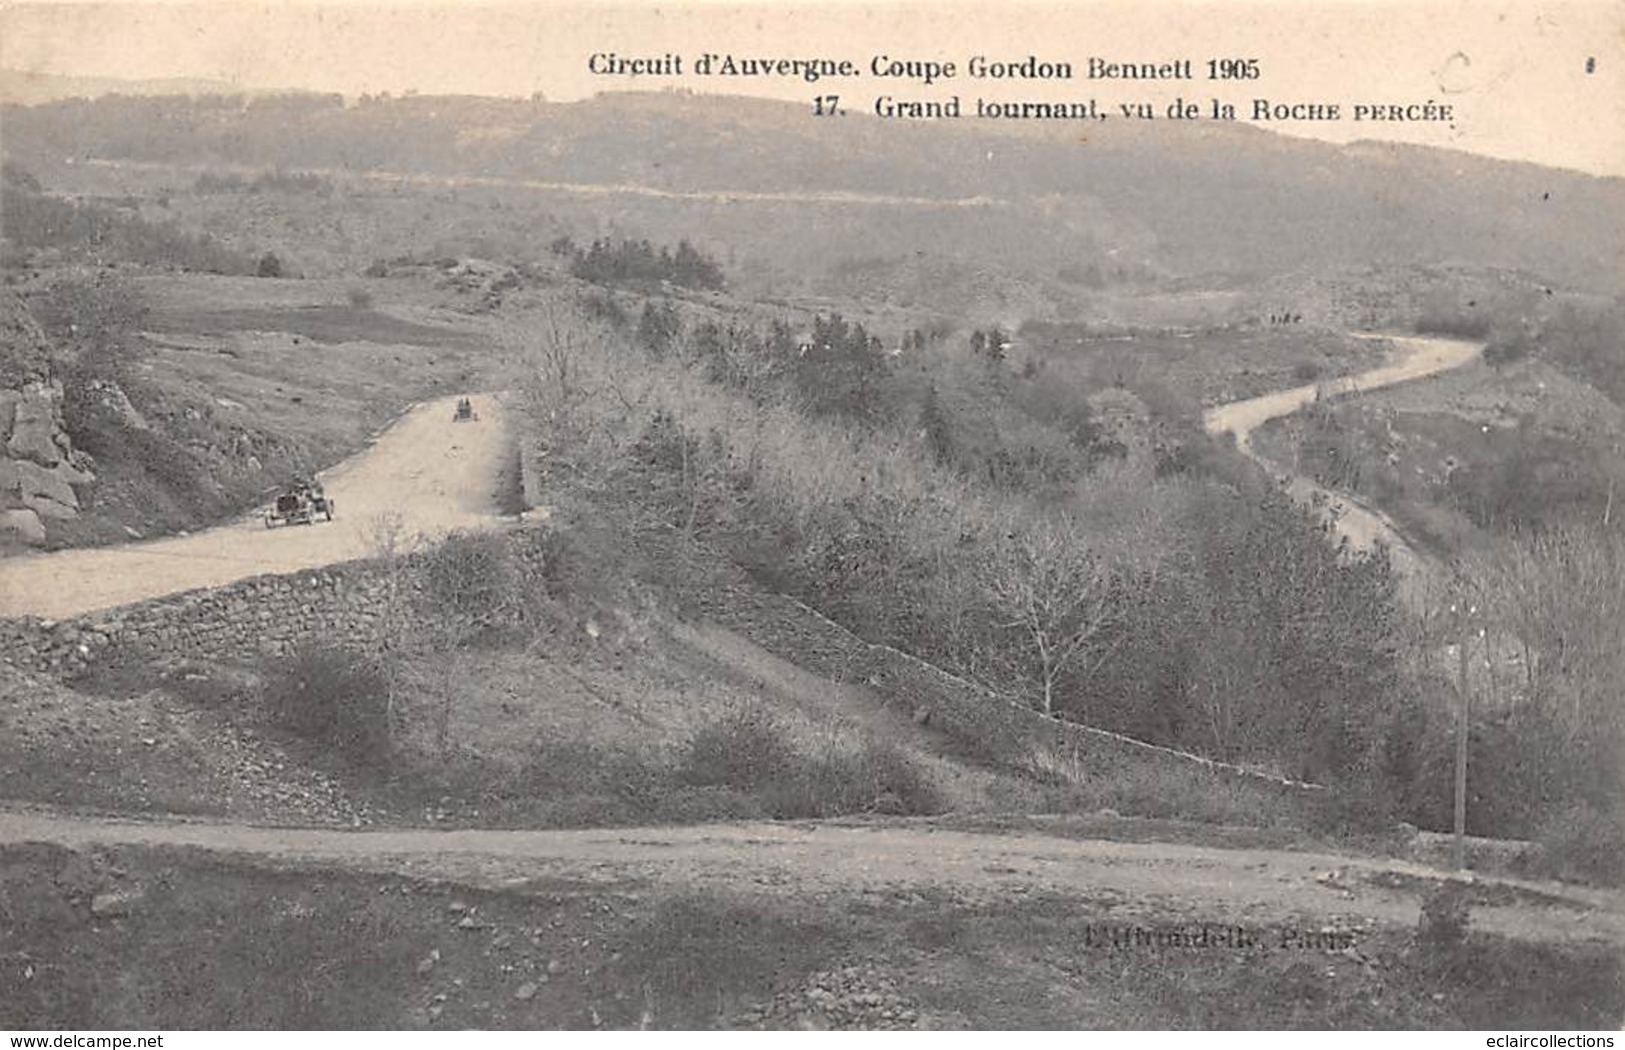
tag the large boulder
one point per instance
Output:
(39, 466)
(23, 524)
(37, 482)
(36, 427)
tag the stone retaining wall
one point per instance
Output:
(1004, 731)
(264, 615)
(259, 616)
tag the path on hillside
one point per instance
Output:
(426, 472)
(1355, 520)
(1138, 882)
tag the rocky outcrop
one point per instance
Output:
(39, 467)
(488, 280)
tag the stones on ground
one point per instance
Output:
(859, 997)
(426, 964)
(526, 991)
(116, 904)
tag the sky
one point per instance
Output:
(1525, 79)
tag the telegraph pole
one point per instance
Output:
(1463, 705)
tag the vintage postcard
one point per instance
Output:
(861, 515)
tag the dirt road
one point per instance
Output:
(425, 472)
(1358, 522)
(1138, 881)
(581, 189)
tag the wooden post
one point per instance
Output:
(1463, 705)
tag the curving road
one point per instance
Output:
(425, 475)
(1361, 524)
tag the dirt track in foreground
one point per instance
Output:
(429, 473)
(1141, 882)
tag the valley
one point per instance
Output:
(866, 562)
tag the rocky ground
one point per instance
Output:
(40, 470)
(156, 753)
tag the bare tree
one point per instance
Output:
(391, 546)
(1046, 583)
(1560, 598)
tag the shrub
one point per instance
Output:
(471, 584)
(896, 783)
(1446, 911)
(1505, 351)
(269, 266)
(877, 778)
(1585, 843)
(747, 749)
(333, 697)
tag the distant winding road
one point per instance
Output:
(1361, 524)
(425, 472)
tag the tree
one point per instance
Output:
(658, 328)
(1046, 584)
(392, 548)
(1316, 679)
(841, 369)
(935, 429)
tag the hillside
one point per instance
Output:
(872, 551)
(27, 88)
(1131, 204)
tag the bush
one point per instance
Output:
(1505, 351)
(1446, 912)
(750, 751)
(1585, 843)
(269, 266)
(333, 697)
(471, 584)
(880, 778)
(746, 750)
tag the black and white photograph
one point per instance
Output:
(929, 515)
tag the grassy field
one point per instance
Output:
(1204, 365)
(243, 382)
